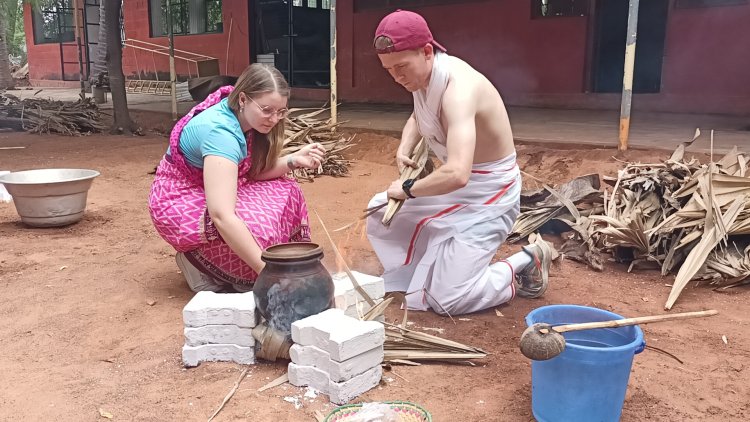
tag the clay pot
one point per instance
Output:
(293, 285)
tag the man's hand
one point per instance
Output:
(396, 191)
(404, 161)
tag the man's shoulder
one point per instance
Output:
(463, 75)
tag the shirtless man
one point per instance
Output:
(439, 245)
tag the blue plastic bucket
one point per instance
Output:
(588, 380)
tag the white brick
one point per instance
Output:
(209, 308)
(337, 392)
(345, 295)
(193, 355)
(302, 376)
(341, 393)
(337, 371)
(341, 336)
(221, 334)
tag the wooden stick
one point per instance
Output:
(356, 284)
(230, 394)
(275, 383)
(629, 321)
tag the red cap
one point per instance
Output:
(407, 30)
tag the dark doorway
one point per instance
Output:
(609, 45)
(294, 36)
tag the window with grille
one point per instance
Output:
(312, 4)
(188, 17)
(541, 9)
(364, 5)
(694, 4)
(52, 21)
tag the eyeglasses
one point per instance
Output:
(267, 112)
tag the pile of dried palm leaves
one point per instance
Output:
(303, 128)
(679, 216)
(39, 115)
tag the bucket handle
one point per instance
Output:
(640, 347)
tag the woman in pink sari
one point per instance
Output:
(221, 194)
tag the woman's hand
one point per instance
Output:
(310, 156)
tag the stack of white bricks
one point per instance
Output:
(218, 327)
(337, 355)
(349, 299)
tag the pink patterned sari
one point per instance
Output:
(273, 210)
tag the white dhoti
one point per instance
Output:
(438, 249)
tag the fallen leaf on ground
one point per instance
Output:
(498, 313)
(105, 414)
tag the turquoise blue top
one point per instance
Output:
(214, 131)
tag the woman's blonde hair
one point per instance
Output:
(256, 80)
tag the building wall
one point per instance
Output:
(44, 59)
(544, 62)
(233, 51)
(231, 48)
(707, 56)
(497, 37)
(531, 62)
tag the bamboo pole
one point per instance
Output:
(627, 79)
(172, 72)
(334, 99)
(77, 34)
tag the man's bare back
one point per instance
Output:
(494, 138)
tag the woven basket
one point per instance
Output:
(408, 412)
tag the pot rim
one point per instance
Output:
(86, 174)
(292, 252)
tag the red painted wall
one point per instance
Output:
(236, 15)
(44, 59)
(707, 53)
(532, 62)
(543, 62)
(498, 38)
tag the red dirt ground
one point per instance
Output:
(80, 334)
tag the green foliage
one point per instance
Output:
(12, 10)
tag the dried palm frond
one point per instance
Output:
(419, 155)
(678, 215)
(303, 128)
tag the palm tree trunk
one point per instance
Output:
(6, 80)
(122, 122)
(100, 58)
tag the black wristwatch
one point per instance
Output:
(406, 186)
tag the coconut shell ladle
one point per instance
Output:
(542, 341)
